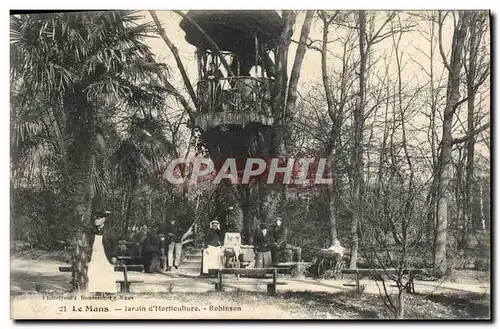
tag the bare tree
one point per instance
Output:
(336, 103)
(474, 71)
(454, 66)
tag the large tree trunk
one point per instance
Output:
(431, 200)
(332, 209)
(334, 114)
(270, 201)
(284, 105)
(247, 225)
(81, 197)
(230, 206)
(474, 42)
(297, 64)
(81, 127)
(445, 163)
(357, 154)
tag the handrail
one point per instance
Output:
(243, 77)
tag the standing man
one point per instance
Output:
(279, 233)
(173, 237)
(101, 270)
(151, 251)
(263, 245)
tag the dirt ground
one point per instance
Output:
(299, 298)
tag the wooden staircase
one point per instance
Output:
(191, 262)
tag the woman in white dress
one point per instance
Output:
(101, 270)
(213, 252)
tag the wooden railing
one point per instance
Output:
(234, 100)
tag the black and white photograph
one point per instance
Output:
(250, 164)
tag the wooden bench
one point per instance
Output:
(125, 283)
(378, 272)
(271, 287)
(130, 260)
(296, 268)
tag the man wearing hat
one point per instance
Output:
(263, 243)
(173, 236)
(279, 232)
(212, 253)
(101, 271)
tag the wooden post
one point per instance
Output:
(219, 274)
(357, 280)
(275, 278)
(271, 288)
(408, 287)
(125, 278)
(412, 282)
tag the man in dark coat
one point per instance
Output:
(173, 236)
(280, 233)
(151, 251)
(263, 244)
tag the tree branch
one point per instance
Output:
(376, 35)
(178, 96)
(214, 46)
(440, 41)
(482, 78)
(280, 84)
(297, 64)
(175, 52)
(470, 135)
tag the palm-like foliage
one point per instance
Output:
(85, 67)
(143, 154)
(52, 52)
(73, 77)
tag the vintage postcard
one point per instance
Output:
(264, 164)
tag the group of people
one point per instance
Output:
(270, 246)
(152, 242)
(159, 247)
